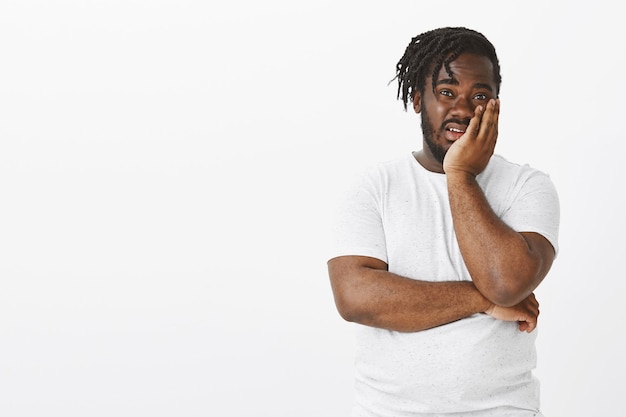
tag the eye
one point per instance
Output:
(481, 96)
(446, 93)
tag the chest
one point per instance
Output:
(419, 232)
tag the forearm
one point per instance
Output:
(377, 298)
(503, 266)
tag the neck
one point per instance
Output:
(428, 161)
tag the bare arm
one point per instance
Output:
(366, 293)
(505, 266)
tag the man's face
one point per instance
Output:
(447, 112)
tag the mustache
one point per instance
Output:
(464, 122)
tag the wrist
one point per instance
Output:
(459, 175)
(489, 310)
(482, 303)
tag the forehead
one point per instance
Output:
(469, 67)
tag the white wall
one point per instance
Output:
(167, 169)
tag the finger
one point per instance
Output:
(490, 117)
(489, 123)
(534, 305)
(496, 112)
(496, 120)
(475, 122)
(531, 326)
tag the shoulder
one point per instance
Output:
(402, 163)
(505, 182)
(381, 173)
(501, 169)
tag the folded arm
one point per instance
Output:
(506, 266)
(366, 293)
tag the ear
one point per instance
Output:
(417, 102)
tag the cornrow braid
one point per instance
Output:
(431, 50)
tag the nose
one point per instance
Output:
(463, 107)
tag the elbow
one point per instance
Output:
(510, 289)
(352, 303)
(505, 298)
(349, 315)
(351, 280)
(509, 278)
(348, 286)
(349, 307)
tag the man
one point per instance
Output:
(438, 252)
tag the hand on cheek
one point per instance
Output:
(471, 153)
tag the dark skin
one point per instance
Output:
(506, 266)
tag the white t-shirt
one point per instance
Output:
(478, 366)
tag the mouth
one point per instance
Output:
(453, 132)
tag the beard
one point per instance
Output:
(438, 151)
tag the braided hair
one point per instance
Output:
(431, 50)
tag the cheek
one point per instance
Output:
(437, 115)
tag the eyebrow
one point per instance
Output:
(453, 81)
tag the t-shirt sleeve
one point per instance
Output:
(357, 227)
(536, 208)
